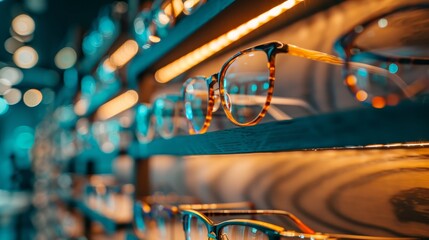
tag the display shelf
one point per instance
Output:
(212, 20)
(110, 225)
(346, 129)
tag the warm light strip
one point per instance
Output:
(191, 59)
(124, 53)
(117, 105)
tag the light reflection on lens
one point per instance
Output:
(238, 232)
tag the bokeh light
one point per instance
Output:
(382, 23)
(24, 139)
(48, 96)
(13, 96)
(3, 106)
(4, 85)
(12, 75)
(25, 57)
(23, 25)
(11, 45)
(106, 26)
(88, 85)
(32, 97)
(65, 58)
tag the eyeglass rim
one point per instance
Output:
(210, 103)
(270, 49)
(267, 228)
(145, 209)
(342, 44)
(144, 138)
(272, 230)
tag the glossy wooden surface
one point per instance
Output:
(380, 192)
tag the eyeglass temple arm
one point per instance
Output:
(303, 227)
(327, 58)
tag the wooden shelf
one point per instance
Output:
(353, 128)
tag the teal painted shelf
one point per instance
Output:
(353, 128)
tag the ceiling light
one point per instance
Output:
(117, 105)
(124, 53)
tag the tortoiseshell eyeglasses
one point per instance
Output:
(244, 86)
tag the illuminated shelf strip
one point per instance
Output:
(191, 59)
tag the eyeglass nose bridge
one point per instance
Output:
(213, 84)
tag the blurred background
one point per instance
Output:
(40, 39)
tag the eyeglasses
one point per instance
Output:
(396, 41)
(158, 221)
(162, 118)
(245, 85)
(197, 225)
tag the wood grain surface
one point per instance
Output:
(381, 192)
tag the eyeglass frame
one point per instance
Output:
(271, 49)
(343, 46)
(175, 210)
(272, 231)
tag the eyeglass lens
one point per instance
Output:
(240, 232)
(246, 84)
(403, 34)
(195, 228)
(196, 99)
(165, 111)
